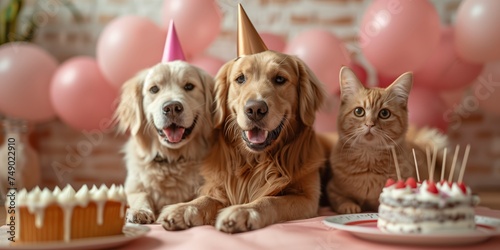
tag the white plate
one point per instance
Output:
(365, 226)
(130, 233)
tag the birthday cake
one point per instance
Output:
(64, 215)
(411, 207)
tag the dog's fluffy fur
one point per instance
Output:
(167, 143)
(264, 168)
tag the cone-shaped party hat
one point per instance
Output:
(249, 41)
(173, 49)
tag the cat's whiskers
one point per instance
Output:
(394, 143)
(349, 136)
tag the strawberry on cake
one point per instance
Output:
(428, 207)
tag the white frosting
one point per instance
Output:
(118, 194)
(67, 196)
(34, 197)
(56, 191)
(93, 189)
(21, 197)
(99, 197)
(67, 201)
(46, 197)
(422, 211)
(421, 193)
(37, 200)
(83, 196)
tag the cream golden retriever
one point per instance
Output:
(264, 167)
(168, 111)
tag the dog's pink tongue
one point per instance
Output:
(174, 134)
(256, 136)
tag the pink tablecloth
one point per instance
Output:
(301, 234)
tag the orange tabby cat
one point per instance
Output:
(370, 122)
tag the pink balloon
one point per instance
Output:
(127, 45)
(399, 36)
(360, 72)
(273, 41)
(324, 53)
(81, 95)
(326, 118)
(477, 28)
(426, 109)
(485, 91)
(197, 22)
(208, 63)
(25, 73)
(445, 69)
(453, 97)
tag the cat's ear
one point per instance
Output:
(349, 83)
(401, 87)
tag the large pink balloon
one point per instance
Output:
(399, 36)
(485, 92)
(197, 23)
(426, 109)
(208, 63)
(453, 97)
(323, 52)
(81, 95)
(477, 28)
(127, 45)
(326, 118)
(445, 70)
(273, 41)
(25, 73)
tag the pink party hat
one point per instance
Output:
(173, 49)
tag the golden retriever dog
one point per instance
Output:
(264, 167)
(168, 111)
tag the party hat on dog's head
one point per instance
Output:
(173, 49)
(249, 41)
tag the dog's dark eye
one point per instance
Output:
(154, 89)
(384, 113)
(359, 112)
(189, 86)
(279, 80)
(241, 79)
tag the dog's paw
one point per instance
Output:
(180, 216)
(238, 218)
(348, 208)
(140, 216)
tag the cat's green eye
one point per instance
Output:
(384, 113)
(359, 112)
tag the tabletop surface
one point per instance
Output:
(300, 234)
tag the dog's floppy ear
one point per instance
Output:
(221, 91)
(129, 113)
(311, 93)
(208, 85)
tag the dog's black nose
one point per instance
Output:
(172, 109)
(255, 110)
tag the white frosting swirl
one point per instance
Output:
(93, 189)
(46, 198)
(67, 196)
(56, 191)
(83, 196)
(22, 197)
